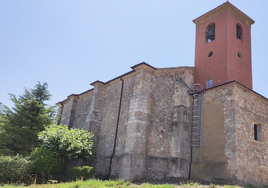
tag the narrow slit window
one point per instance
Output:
(239, 32)
(257, 133)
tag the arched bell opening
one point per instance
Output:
(239, 32)
(210, 32)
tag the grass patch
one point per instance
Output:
(149, 185)
(93, 183)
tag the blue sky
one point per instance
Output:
(70, 44)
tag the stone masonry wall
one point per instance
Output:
(68, 111)
(82, 111)
(133, 159)
(153, 138)
(238, 158)
(105, 143)
(117, 170)
(139, 116)
(251, 155)
(168, 153)
(216, 158)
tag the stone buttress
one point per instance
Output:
(133, 163)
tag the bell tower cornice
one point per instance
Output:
(225, 7)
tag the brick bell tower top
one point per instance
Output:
(223, 47)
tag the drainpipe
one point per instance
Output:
(117, 124)
(191, 150)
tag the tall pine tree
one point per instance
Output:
(21, 124)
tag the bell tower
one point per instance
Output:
(223, 47)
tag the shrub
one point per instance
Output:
(250, 186)
(85, 171)
(68, 143)
(46, 162)
(15, 169)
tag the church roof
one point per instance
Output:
(233, 81)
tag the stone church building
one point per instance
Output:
(203, 122)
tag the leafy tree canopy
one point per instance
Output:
(21, 124)
(67, 143)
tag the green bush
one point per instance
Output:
(46, 162)
(250, 186)
(85, 171)
(15, 169)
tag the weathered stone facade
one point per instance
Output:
(229, 151)
(144, 122)
(141, 122)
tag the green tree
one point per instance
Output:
(58, 145)
(21, 124)
(67, 143)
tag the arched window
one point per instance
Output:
(239, 32)
(210, 32)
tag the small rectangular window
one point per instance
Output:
(209, 83)
(257, 133)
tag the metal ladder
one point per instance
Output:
(197, 116)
